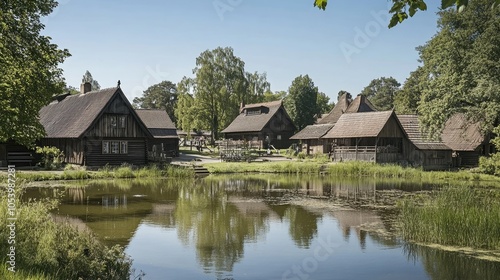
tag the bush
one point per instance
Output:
(490, 165)
(58, 250)
(52, 157)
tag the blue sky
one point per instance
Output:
(142, 43)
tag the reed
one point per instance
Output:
(285, 167)
(458, 216)
(50, 250)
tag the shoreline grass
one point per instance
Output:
(46, 249)
(123, 172)
(456, 216)
(347, 169)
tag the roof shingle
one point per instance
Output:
(461, 135)
(368, 124)
(314, 131)
(411, 125)
(253, 122)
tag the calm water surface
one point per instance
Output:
(241, 227)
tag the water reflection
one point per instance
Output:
(225, 222)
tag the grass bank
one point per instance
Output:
(456, 216)
(347, 169)
(124, 172)
(45, 249)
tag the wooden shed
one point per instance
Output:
(422, 152)
(165, 141)
(96, 128)
(370, 136)
(466, 140)
(311, 136)
(267, 122)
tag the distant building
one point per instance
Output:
(466, 140)
(311, 136)
(267, 122)
(165, 140)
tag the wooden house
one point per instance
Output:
(370, 136)
(165, 141)
(311, 135)
(466, 140)
(96, 128)
(267, 122)
(422, 152)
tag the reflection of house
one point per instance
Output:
(311, 135)
(95, 128)
(371, 136)
(430, 154)
(165, 139)
(466, 140)
(268, 122)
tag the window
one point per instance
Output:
(105, 147)
(122, 121)
(113, 121)
(123, 147)
(115, 147)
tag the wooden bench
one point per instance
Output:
(20, 157)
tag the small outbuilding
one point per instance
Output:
(266, 122)
(165, 141)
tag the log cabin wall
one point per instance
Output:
(136, 152)
(72, 148)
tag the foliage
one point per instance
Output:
(460, 70)
(491, 165)
(159, 96)
(278, 95)
(459, 216)
(323, 104)
(381, 92)
(301, 101)
(87, 78)
(342, 92)
(401, 9)
(28, 67)
(407, 99)
(211, 100)
(52, 157)
(58, 250)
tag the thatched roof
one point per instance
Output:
(73, 115)
(314, 131)
(158, 123)
(461, 135)
(360, 104)
(254, 122)
(368, 124)
(337, 111)
(411, 125)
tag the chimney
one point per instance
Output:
(85, 87)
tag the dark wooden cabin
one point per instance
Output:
(371, 136)
(422, 152)
(267, 122)
(311, 136)
(95, 128)
(466, 140)
(165, 140)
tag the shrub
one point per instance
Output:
(52, 157)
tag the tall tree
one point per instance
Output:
(87, 78)
(407, 99)
(461, 68)
(257, 85)
(278, 95)
(401, 9)
(28, 67)
(159, 96)
(301, 102)
(323, 103)
(220, 88)
(186, 111)
(342, 92)
(381, 92)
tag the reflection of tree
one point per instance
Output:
(441, 264)
(216, 227)
(303, 225)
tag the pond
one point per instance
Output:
(258, 227)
